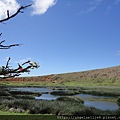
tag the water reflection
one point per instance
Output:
(102, 105)
(92, 96)
(47, 97)
(33, 89)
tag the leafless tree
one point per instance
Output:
(6, 71)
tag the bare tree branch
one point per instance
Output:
(0, 34)
(8, 46)
(2, 41)
(7, 63)
(17, 12)
(6, 72)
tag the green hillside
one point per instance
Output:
(98, 77)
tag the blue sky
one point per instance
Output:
(63, 35)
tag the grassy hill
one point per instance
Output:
(98, 77)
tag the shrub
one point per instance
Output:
(118, 101)
(63, 93)
(6, 97)
(85, 111)
(25, 93)
(71, 99)
(118, 111)
(34, 110)
(4, 93)
(67, 105)
(24, 96)
(15, 103)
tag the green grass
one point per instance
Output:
(67, 82)
(2, 112)
(28, 117)
(21, 83)
(102, 91)
(63, 93)
(75, 99)
(93, 83)
(25, 93)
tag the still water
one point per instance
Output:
(47, 97)
(102, 105)
(92, 96)
(32, 89)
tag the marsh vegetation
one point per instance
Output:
(68, 103)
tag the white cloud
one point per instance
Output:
(11, 5)
(90, 9)
(93, 4)
(41, 6)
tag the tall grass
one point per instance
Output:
(24, 93)
(63, 93)
(67, 105)
(118, 101)
(63, 106)
(102, 91)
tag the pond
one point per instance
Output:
(32, 89)
(102, 105)
(47, 97)
(87, 96)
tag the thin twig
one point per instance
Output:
(8, 46)
(17, 12)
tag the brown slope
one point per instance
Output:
(112, 72)
(98, 76)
